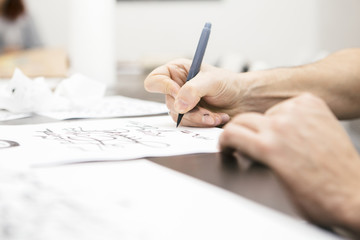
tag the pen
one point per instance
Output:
(198, 57)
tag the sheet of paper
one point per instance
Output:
(70, 99)
(112, 106)
(133, 200)
(6, 115)
(109, 139)
(25, 95)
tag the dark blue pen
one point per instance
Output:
(198, 57)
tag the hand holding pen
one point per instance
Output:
(198, 57)
(205, 104)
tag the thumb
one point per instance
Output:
(192, 91)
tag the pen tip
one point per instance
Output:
(179, 119)
(208, 25)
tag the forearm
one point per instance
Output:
(336, 79)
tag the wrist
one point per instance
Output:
(264, 89)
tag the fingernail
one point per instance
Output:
(217, 120)
(225, 118)
(180, 105)
(206, 119)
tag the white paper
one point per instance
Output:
(24, 95)
(133, 200)
(6, 115)
(111, 106)
(75, 97)
(79, 91)
(112, 139)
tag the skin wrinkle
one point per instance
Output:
(298, 135)
(224, 108)
(286, 169)
(175, 75)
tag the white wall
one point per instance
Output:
(51, 19)
(277, 31)
(280, 32)
(339, 23)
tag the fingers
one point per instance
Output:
(190, 94)
(200, 117)
(244, 135)
(197, 117)
(183, 96)
(240, 138)
(253, 121)
(168, 78)
(160, 82)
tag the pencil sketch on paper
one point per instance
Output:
(133, 133)
(156, 131)
(106, 140)
(51, 212)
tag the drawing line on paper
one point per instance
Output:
(134, 133)
(8, 144)
(97, 139)
(155, 131)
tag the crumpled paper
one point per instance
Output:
(24, 95)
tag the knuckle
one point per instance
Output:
(237, 118)
(281, 123)
(189, 93)
(310, 99)
(167, 87)
(267, 146)
(148, 83)
(191, 88)
(228, 132)
(290, 106)
(307, 96)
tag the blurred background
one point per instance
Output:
(112, 41)
(278, 32)
(144, 34)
